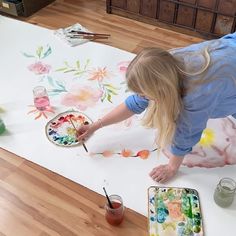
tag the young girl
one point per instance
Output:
(180, 90)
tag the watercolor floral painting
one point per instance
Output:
(81, 97)
(82, 85)
(216, 147)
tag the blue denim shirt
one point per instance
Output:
(215, 99)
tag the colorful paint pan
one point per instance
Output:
(174, 211)
(61, 131)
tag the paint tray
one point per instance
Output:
(174, 211)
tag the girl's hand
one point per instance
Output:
(85, 131)
(163, 173)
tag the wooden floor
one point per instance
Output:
(126, 34)
(35, 201)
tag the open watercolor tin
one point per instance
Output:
(174, 211)
(60, 130)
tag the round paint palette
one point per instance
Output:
(61, 129)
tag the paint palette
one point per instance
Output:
(174, 211)
(60, 130)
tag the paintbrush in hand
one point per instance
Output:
(85, 148)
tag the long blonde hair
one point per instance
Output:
(156, 74)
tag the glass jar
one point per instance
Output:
(41, 99)
(114, 215)
(224, 192)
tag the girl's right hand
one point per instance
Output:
(85, 131)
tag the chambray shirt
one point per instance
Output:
(214, 99)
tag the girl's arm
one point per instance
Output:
(120, 113)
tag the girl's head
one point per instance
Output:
(154, 73)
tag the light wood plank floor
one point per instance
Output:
(35, 201)
(126, 34)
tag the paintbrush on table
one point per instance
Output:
(90, 37)
(75, 32)
(87, 35)
(85, 148)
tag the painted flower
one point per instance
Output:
(99, 74)
(39, 68)
(122, 66)
(82, 97)
(144, 154)
(207, 138)
(40, 113)
(126, 153)
(107, 153)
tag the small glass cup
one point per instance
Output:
(2, 126)
(224, 192)
(115, 215)
(41, 100)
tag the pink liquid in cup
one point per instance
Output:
(41, 103)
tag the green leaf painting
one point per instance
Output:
(78, 70)
(40, 53)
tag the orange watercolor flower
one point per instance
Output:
(143, 154)
(126, 153)
(99, 74)
(107, 153)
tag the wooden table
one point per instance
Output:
(36, 201)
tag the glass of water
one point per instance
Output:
(225, 192)
(41, 99)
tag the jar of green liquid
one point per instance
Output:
(2, 126)
(225, 192)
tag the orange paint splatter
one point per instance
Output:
(143, 154)
(126, 153)
(107, 153)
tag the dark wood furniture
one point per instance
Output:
(22, 7)
(211, 18)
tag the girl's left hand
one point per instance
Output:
(163, 173)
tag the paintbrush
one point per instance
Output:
(87, 33)
(108, 199)
(85, 148)
(91, 37)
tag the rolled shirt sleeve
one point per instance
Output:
(136, 103)
(198, 108)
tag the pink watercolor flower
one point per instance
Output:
(122, 66)
(39, 68)
(82, 97)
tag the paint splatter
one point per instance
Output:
(126, 153)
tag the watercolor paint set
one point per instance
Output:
(174, 211)
(61, 130)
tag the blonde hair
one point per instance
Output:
(156, 74)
